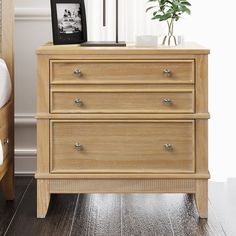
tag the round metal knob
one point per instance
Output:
(77, 72)
(167, 72)
(78, 146)
(168, 147)
(6, 141)
(167, 102)
(78, 102)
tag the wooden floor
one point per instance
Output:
(113, 214)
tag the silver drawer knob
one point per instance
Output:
(167, 72)
(78, 102)
(168, 147)
(77, 72)
(167, 102)
(78, 146)
(6, 141)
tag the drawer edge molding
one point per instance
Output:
(112, 117)
(122, 176)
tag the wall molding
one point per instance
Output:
(32, 14)
(25, 152)
(25, 119)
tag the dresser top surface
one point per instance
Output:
(186, 48)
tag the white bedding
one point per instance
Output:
(5, 84)
(1, 153)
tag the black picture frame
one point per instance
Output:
(68, 21)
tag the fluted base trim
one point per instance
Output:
(123, 186)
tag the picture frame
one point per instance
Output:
(68, 21)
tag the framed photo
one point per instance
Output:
(68, 21)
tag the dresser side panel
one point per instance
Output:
(43, 84)
(43, 146)
(202, 146)
(202, 84)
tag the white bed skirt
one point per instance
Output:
(5, 84)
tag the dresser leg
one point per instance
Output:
(201, 198)
(43, 198)
(8, 184)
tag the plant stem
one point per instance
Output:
(171, 27)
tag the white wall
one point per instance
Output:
(208, 25)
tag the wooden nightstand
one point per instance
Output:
(128, 120)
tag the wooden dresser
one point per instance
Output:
(122, 120)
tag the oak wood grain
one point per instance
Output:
(120, 131)
(43, 145)
(122, 147)
(43, 198)
(188, 48)
(122, 102)
(200, 197)
(7, 183)
(122, 72)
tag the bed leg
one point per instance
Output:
(8, 184)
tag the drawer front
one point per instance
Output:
(122, 146)
(4, 139)
(122, 102)
(122, 72)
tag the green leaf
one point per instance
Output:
(186, 3)
(154, 13)
(149, 8)
(156, 17)
(169, 9)
(165, 17)
(185, 9)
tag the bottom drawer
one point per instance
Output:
(122, 146)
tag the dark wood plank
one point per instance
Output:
(115, 214)
(8, 208)
(145, 215)
(185, 219)
(98, 214)
(58, 221)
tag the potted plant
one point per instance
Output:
(169, 11)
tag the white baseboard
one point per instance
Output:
(25, 158)
(25, 165)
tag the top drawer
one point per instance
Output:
(122, 72)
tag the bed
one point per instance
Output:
(7, 110)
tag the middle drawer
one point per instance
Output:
(118, 101)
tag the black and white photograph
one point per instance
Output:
(69, 18)
(69, 21)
